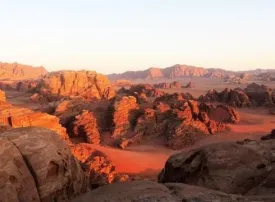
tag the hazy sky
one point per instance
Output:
(118, 35)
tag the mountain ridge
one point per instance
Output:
(17, 71)
(180, 71)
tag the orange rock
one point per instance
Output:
(85, 125)
(124, 112)
(87, 84)
(17, 117)
(18, 71)
(2, 97)
(98, 168)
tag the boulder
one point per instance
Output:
(244, 168)
(147, 191)
(39, 164)
(136, 191)
(17, 183)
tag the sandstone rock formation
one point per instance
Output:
(147, 89)
(2, 97)
(260, 95)
(26, 85)
(87, 84)
(85, 125)
(123, 111)
(224, 113)
(37, 165)
(253, 95)
(269, 136)
(173, 99)
(179, 121)
(15, 71)
(98, 168)
(17, 117)
(122, 83)
(141, 191)
(244, 168)
(174, 84)
(235, 98)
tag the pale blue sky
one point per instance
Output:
(118, 35)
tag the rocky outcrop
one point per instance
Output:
(253, 95)
(173, 99)
(260, 95)
(141, 191)
(17, 117)
(2, 97)
(15, 71)
(224, 113)
(98, 168)
(180, 122)
(122, 83)
(174, 84)
(37, 165)
(147, 89)
(189, 85)
(87, 84)
(27, 85)
(244, 168)
(235, 98)
(85, 125)
(269, 136)
(124, 112)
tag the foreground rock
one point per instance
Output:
(87, 84)
(244, 168)
(37, 165)
(141, 191)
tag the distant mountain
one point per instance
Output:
(180, 71)
(15, 71)
(176, 71)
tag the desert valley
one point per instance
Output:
(181, 133)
